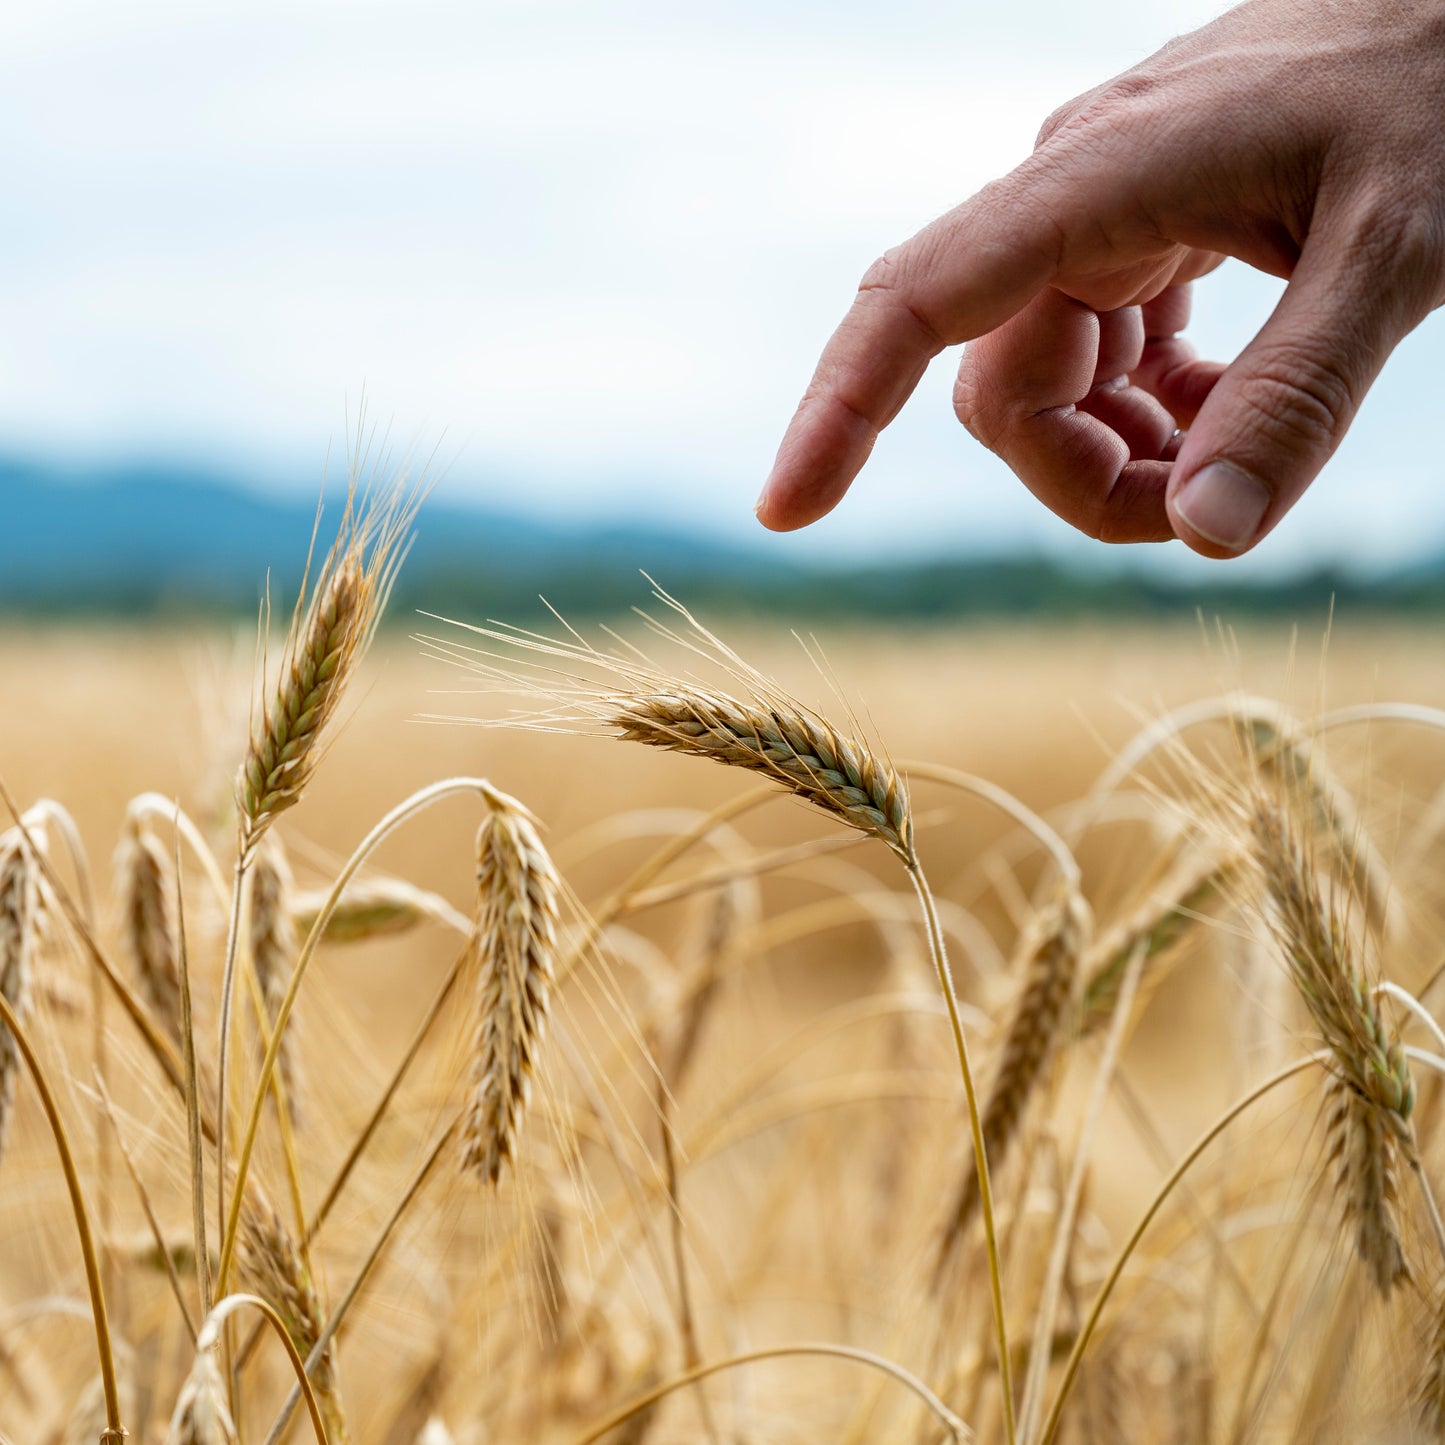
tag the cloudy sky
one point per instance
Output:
(593, 244)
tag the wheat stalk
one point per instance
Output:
(1372, 1096)
(148, 921)
(515, 944)
(331, 628)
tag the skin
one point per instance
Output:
(1303, 137)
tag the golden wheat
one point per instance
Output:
(515, 945)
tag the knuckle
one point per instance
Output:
(1121, 103)
(1059, 118)
(970, 407)
(882, 275)
(889, 278)
(1406, 242)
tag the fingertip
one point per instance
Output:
(823, 450)
(1219, 509)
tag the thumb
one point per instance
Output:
(1276, 416)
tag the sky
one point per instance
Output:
(591, 248)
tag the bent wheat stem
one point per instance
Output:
(82, 1219)
(1081, 1341)
(956, 1428)
(975, 1123)
(210, 1338)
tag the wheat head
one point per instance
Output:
(782, 740)
(21, 921)
(274, 946)
(1372, 1095)
(148, 925)
(201, 1416)
(331, 629)
(515, 946)
(272, 1264)
(1040, 1015)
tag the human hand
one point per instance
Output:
(1300, 136)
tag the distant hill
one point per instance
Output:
(158, 542)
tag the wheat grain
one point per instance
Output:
(515, 942)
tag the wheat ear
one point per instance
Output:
(148, 923)
(271, 1262)
(21, 918)
(515, 943)
(201, 1416)
(1157, 926)
(1372, 1095)
(274, 946)
(802, 751)
(1042, 1011)
(335, 619)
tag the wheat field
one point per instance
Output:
(622, 1101)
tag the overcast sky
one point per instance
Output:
(596, 244)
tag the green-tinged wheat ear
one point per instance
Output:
(370, 908)
(1372, 1096)
(784, 741)
(145, 887)
(1052, 951)
(274, 946)
(201, 1416)
(21, 921)
(515, 944)
(1158, 925)
(272, 1265)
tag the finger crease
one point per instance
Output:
(919, 319)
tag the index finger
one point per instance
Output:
(961, 276)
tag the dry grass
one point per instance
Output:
(719, 1216)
